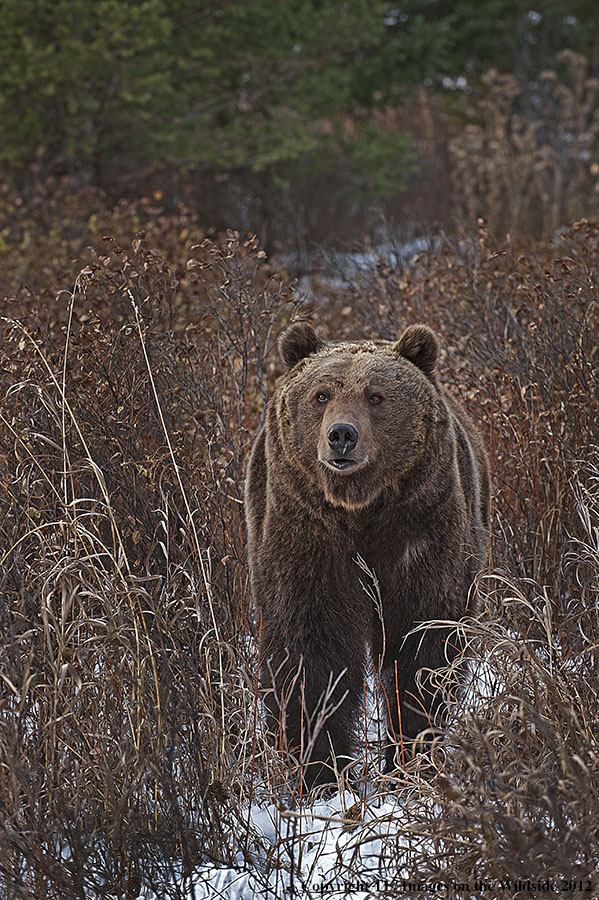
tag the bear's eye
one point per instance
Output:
(321, 398)
(375, 399)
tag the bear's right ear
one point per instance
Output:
(297, 342)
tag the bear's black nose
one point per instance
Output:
(342, 437)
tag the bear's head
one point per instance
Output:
(356, 417)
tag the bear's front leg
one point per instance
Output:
(312, 711)
(413, 703)
(312, 654)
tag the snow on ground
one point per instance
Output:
(315, 852)
(342, 847)
(338, 848)
(336, 268)
(332, 848)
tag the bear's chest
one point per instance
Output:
(383, 556)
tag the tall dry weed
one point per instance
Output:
(513, 797)
(131, 743)
(512, 791)
(127, 734)
(528, 159)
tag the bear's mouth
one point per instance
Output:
(342, 463)
(345, 464)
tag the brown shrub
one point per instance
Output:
(526, 159)
(127, 735)
(513, 792)
(129, 741)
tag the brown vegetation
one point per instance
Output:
(517, 787)
(129, 734)
(127, 728)
(527, 158)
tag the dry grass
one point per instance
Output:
(514, 791)
(131, 741)
(128, 682)
(527, 158)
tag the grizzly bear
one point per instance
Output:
(362, 454)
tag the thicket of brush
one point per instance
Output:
(527, 158)
(130, 736)
(516, 792)
(127, 735)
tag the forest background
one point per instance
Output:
(305, 122)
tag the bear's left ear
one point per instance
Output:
(298, 341)
(419, 344)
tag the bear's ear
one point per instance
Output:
(298, 341)
(419, 344)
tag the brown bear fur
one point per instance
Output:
(411, 497)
